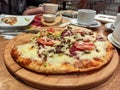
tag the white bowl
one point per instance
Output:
(49, 17)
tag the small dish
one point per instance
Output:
(49, 17)
(105, 18)
(93, 25)
(22, 21)
(69, 13)
(68, 21)
(109, 26)
(110, 38)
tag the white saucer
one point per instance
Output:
(109, 26)
(93, 25)
(111, 39)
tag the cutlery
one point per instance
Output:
(9, 34)
(16, 32)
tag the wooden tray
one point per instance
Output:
(57, 82)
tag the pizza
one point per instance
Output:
(9, 20)
(57, 51)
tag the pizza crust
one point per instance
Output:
(77, 67)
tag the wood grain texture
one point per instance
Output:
(57, 82)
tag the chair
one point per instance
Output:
(69, 3)
(84, 4)
(98, 5)
(53, 1)
(118, 9)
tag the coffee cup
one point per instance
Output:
(86, 16)
(116, 34)
(50, 8)
(117, 20)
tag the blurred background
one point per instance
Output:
(109, 7)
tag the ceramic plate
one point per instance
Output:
(110, 38)
(105, 18)
(93, 25)
(21, 21)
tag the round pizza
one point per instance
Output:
(71, 49)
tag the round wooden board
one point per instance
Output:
(57, 82)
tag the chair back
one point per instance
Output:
(99, 5)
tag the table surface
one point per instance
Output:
(9, 82)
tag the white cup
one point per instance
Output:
(116, 34)
(86, 16)
(50, 8)
(117, 20)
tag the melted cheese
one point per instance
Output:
(57, 59)
(71, 38)
(101, 46)
(86, 37)
(45, 49)
(29, 50)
